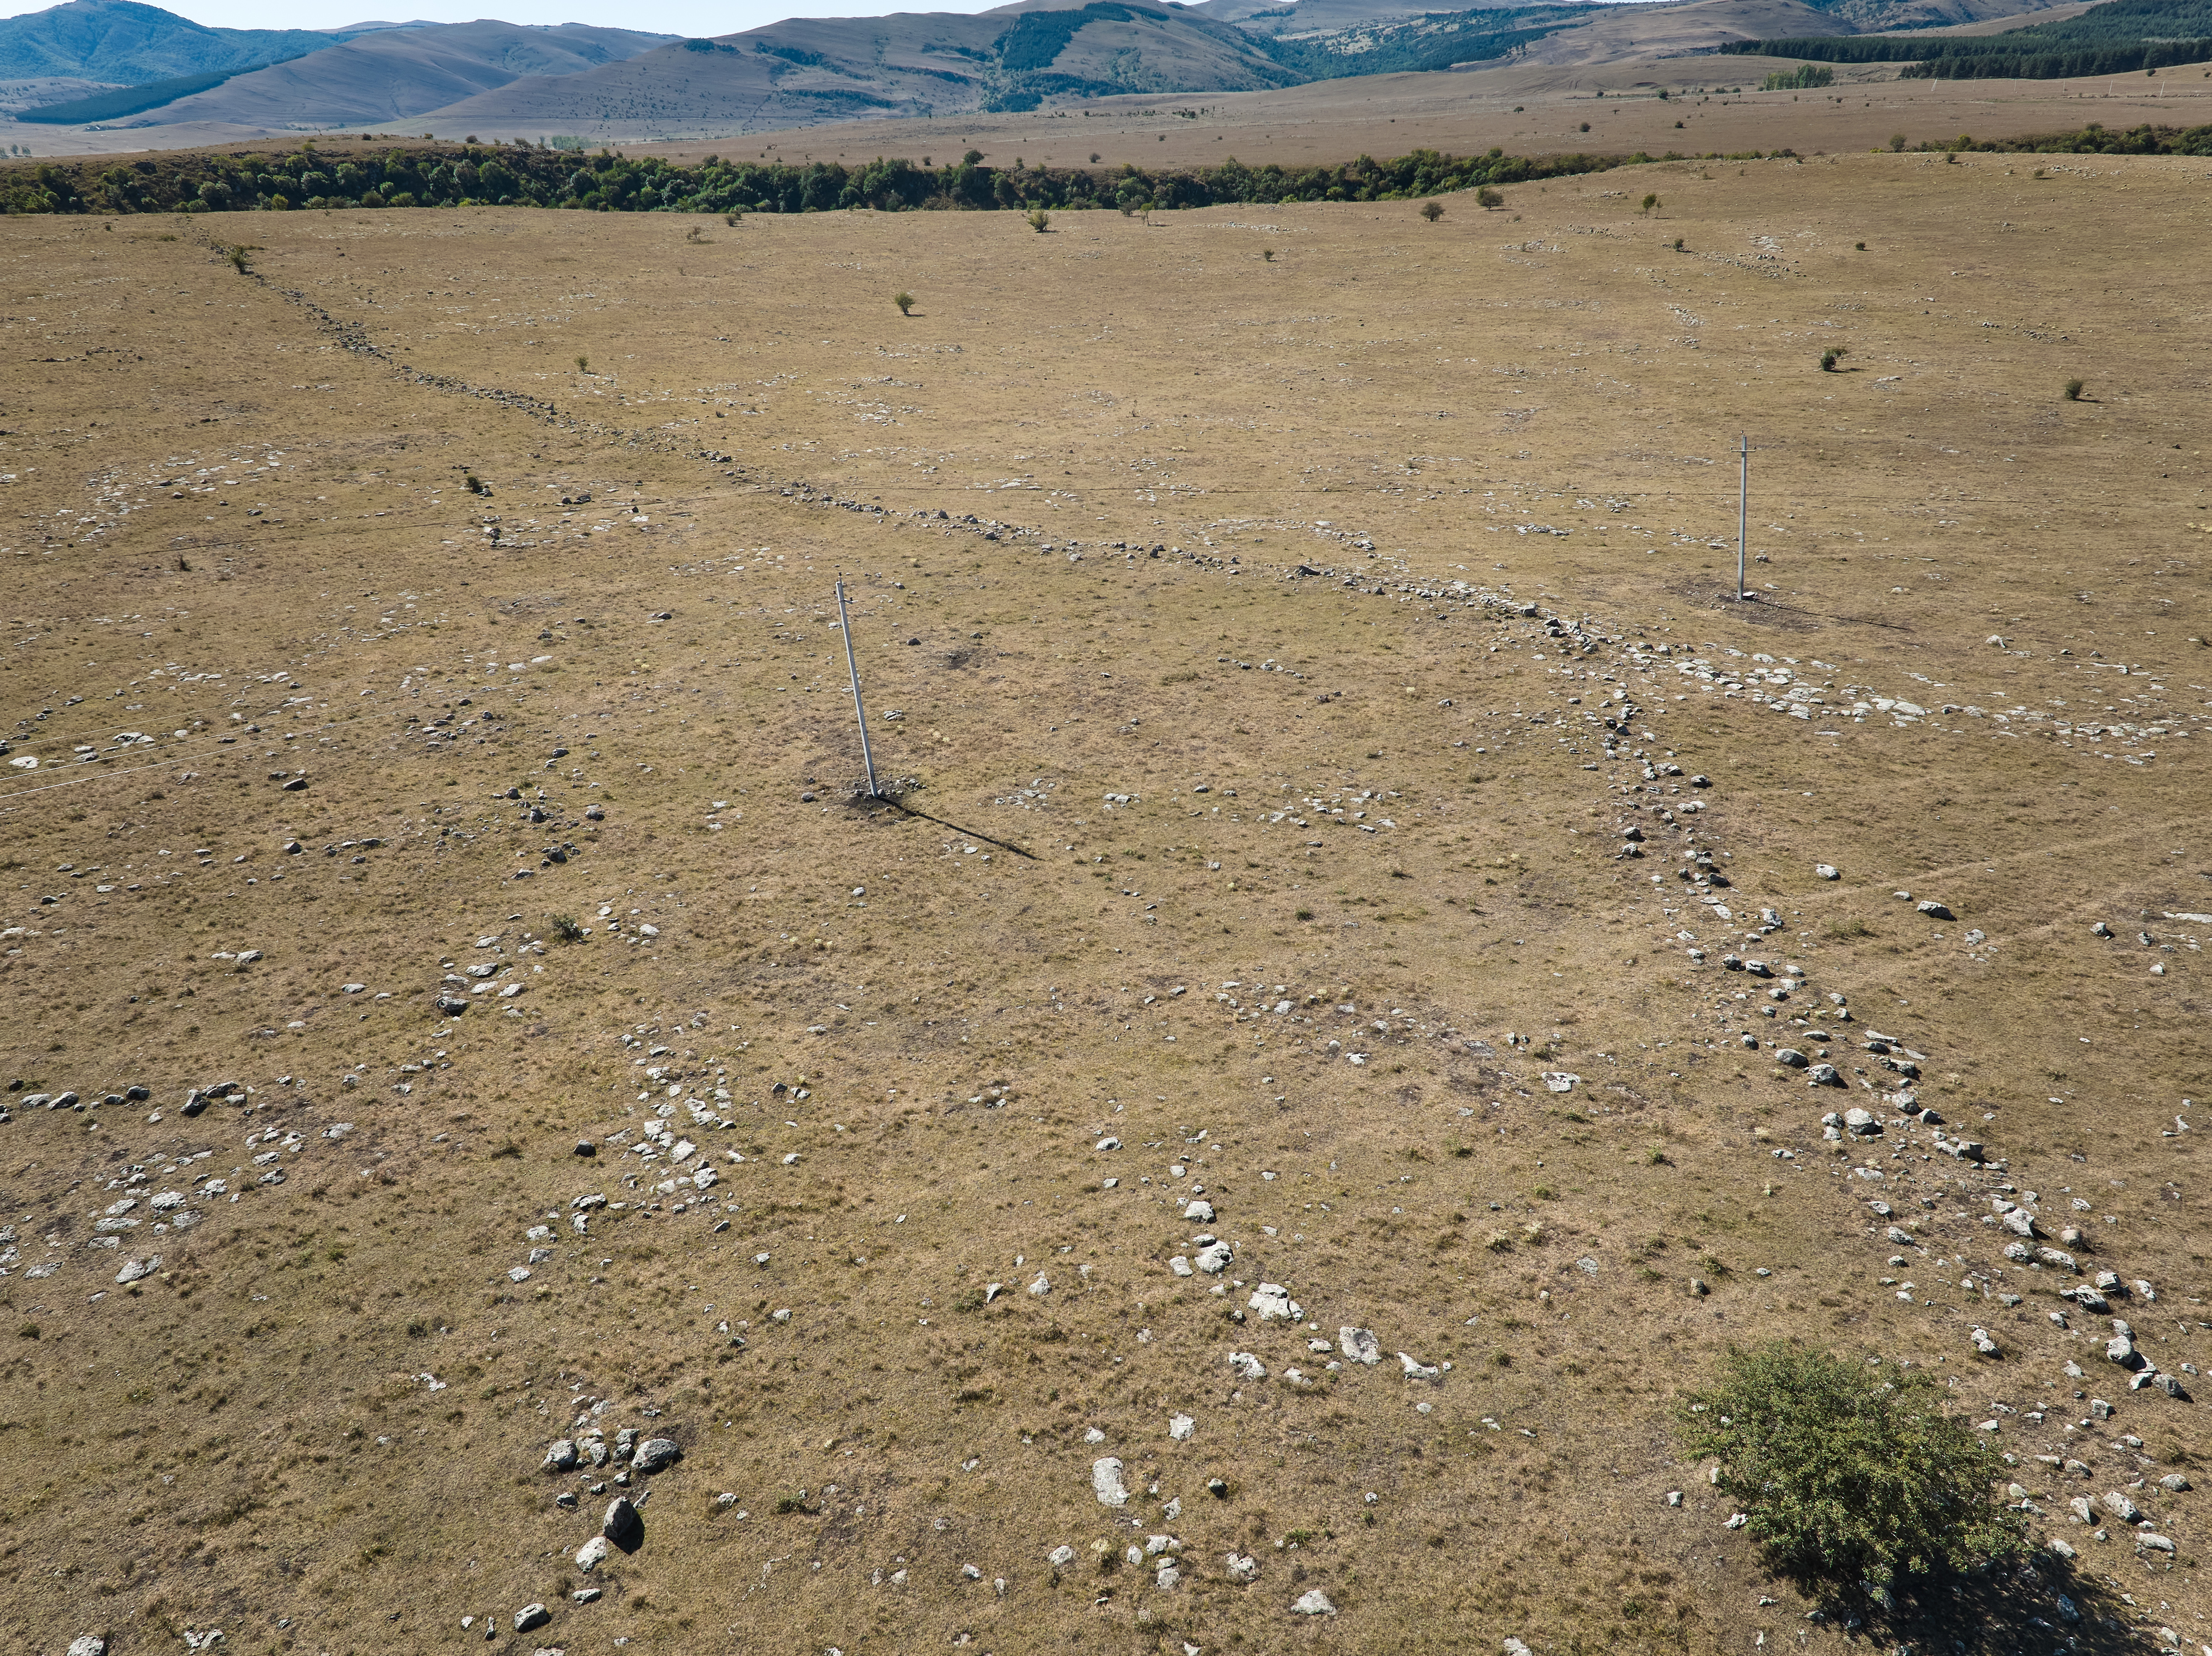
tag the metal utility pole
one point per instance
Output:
(859, 712)
(1742, 518)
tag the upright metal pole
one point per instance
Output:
(1742, 516)
(859, 712)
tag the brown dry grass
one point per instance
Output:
(244, 1440)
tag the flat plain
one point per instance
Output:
(1329, 775)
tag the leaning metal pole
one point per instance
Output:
(1742, 516)
(859, 712)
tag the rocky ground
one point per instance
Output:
(509, 1140)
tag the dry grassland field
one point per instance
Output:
(1532, 110)
(1337, 809)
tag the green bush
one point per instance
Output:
(1804, 77)
(1850, 1474)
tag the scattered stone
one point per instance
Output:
(1792, 1057)
(1823, 1075)
(1201, 1209)
(1935, 910)
(593, 1553)
(2147, 1542)
(583, 1595)
(2174, 1482)
(621, 1524)
(1983, 1344)
(1061, 1557)
(1040, 1288)
(2120, 1507)
(1273, 1301)
(135, 1270)
(654, 1454)
(1215, 1257)
(1313, 1603)
(1415, 1368)
(1243, 1568)
(1515, 1647)
(1180, 1426)
(1827, 872)
(1360, 1345)
(530, 1617)
(1106, 1482)
(560, 1457)
(89, 1644)
(1246, 1366)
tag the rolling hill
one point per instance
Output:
(394, 74)
(810, 69)
(120, 42)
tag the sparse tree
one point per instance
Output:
(1850, 1474)
(1432, 210)
(1488, 199)
(904, 300)
(1651, 203)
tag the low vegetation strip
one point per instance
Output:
(1997, 56)
(522, 175)
(126, 100)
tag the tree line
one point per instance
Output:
(526, 175)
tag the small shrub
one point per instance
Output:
(2073, 391)
(904, 300)
(1860, 245)
(1896, 143)
(1678, 244)
(1831, 356)
(239, 260)
(1038, 220)
(1267, 253)
(1585, 126)
(1305, 914)
(1432, 210)
(583, 365)
(1850, 1475)
(1094, 158)
(1488, 199)
(731, 217)
(474, 484)
(566, 928)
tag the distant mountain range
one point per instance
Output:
(123, 43)
(489, 77)
(389, 75)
